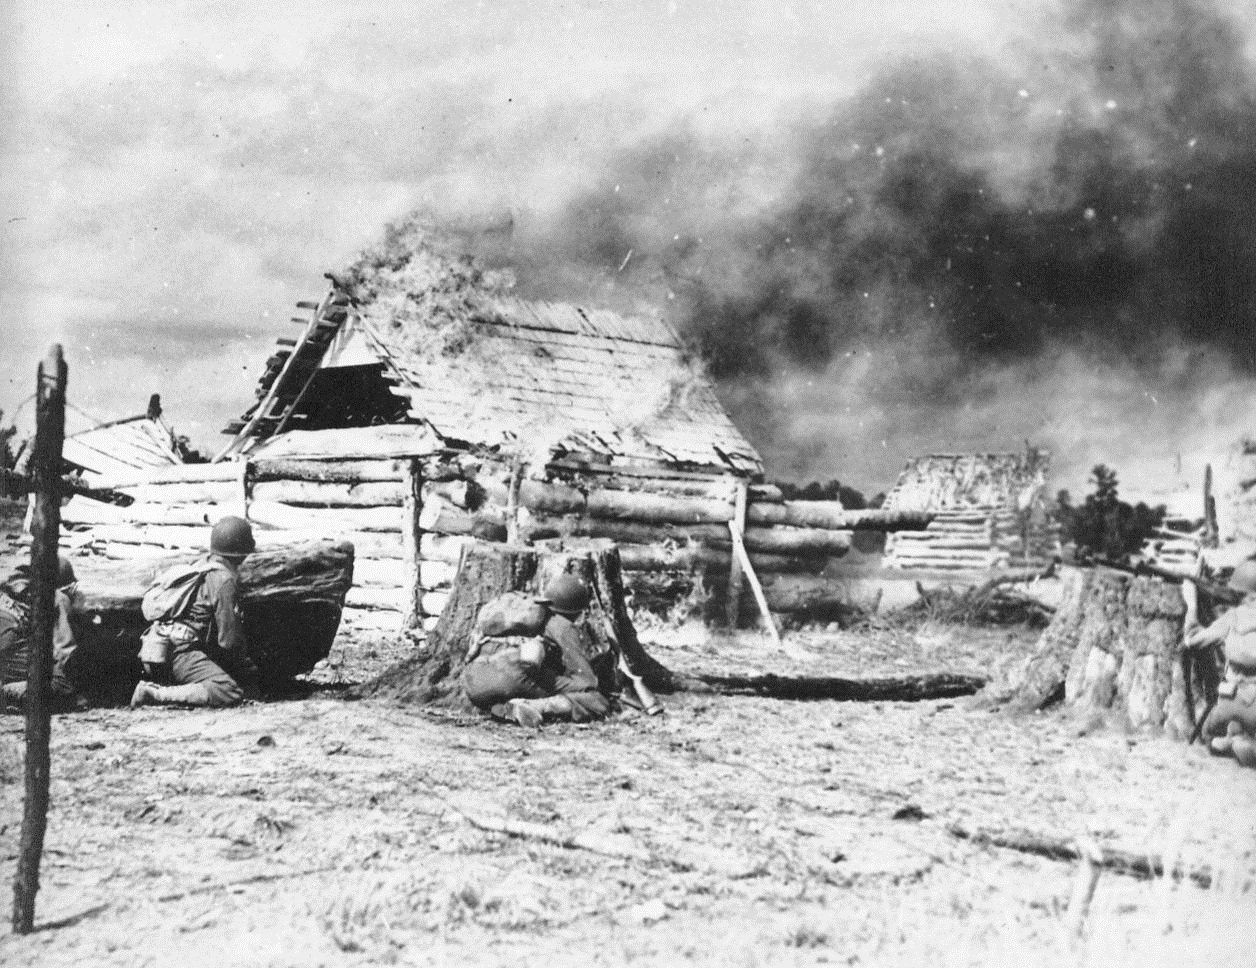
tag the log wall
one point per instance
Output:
(411, 519)
(972, 539)
(286, 501)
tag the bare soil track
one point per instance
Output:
(730, 831)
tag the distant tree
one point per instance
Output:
(1104, 524)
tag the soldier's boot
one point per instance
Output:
(1244, 749)
(193, 694)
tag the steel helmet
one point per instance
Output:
(232, 537)
(566, 594)
(1244, 577)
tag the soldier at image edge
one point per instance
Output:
(196, 640)
(551, 678)
(15, 631)
(1231, 725)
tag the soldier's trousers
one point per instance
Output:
(188, 666)
(491, 681)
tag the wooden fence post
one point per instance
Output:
(45, 535)
(411, 535)
(732, 606)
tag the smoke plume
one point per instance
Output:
(947, 254)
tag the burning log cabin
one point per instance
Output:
(511, 420)
(986, 511)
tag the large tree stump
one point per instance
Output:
(291, 599)
(432, 675)
(1113, 647)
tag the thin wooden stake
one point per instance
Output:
(45, 534)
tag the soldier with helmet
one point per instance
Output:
(201, 647)
(551, 677)
(1232, 723)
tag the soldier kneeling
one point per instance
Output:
(547, 677)
(197, 636)
(1231, 725)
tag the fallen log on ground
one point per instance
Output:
(1141, 865)
(942, 685)
(291, 599)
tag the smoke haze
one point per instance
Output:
(887, 233)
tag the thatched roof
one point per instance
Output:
(943, 482)
(540, 377)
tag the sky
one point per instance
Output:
(175, 176)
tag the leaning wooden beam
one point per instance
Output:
(739, 551)
(1141, 865)
(942, 685)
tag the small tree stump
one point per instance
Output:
(433, 675)
(1113, 647)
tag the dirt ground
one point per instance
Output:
(324, 831)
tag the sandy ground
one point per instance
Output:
(745, 831)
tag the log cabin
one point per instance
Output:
(513, 420)
(987, 511)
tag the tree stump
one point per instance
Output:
(432, 676)
(1114, 647)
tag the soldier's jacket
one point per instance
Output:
(1235, 631)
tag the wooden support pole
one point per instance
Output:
(412, 508)
(739, 550)
(45, 534)
(732, 603)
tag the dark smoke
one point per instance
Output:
(1095, 196)
(1103, 200)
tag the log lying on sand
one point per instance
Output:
(1141, 865)
(292, 600)
(943, 685)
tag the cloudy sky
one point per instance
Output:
(175, 176)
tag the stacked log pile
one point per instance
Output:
(974, 538)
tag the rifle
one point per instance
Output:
(1217, 592)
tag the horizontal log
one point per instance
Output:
(634, 532)
(375, 598)
(328, 471)
(764, 494)
(81, 510)
(698, 557)
(177, 474)
(941, 544)
(381, 572)
(318, 494)
(714, 488)
(831, 515)
(436, 574)
(882, 689)
(433, 603)
(656, 508)
(207, 492)
(798, 541)
(549, 497)
(333, 521)
(372, 619)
